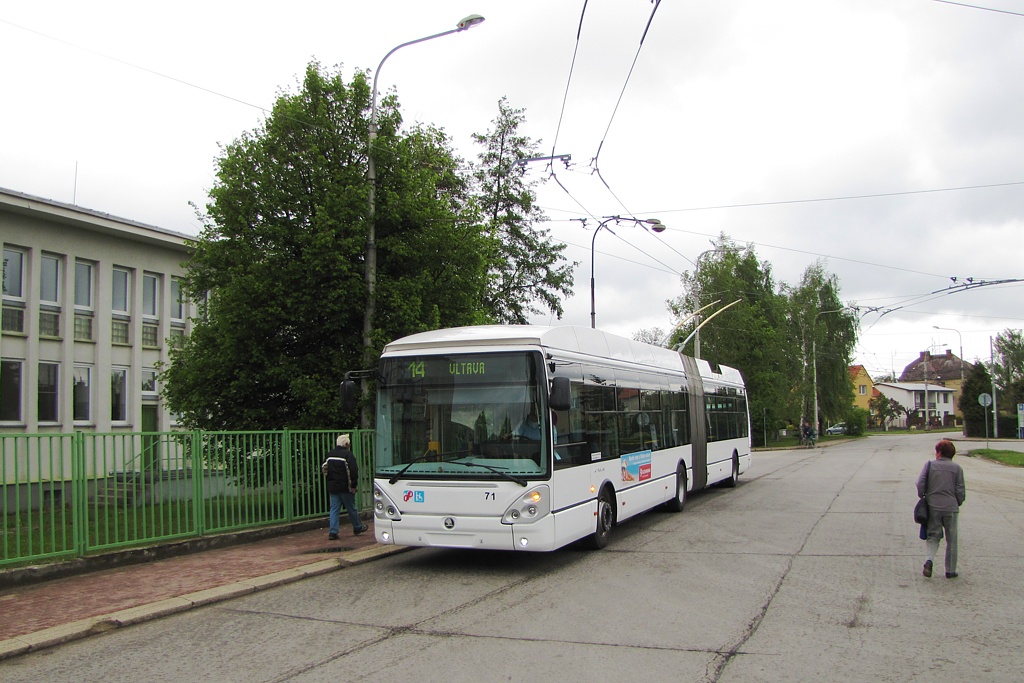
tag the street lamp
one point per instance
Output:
(371, 232)
(656, 226)
(961, 337)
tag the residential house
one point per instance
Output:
(945, 370)
(920, 399)
(863, 387)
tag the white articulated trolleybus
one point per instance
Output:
(529, 438)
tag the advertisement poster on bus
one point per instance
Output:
(636, 466)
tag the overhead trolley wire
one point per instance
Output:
(657, 3)
(987, 9)
(568, 81)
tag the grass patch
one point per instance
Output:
(1012, 458)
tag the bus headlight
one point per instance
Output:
(529, 507)
(383, 507)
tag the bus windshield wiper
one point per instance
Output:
(490, 468)
(399, 473)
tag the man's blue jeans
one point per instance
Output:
(347, 499)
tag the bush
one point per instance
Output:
(857, 422)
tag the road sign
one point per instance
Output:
(985, 399)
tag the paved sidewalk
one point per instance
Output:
(55, 611)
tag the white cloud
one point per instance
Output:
(733, 102)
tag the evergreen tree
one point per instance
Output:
(527, 272)
(976, 383)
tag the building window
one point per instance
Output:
(150, 292)
(48, 387)
(177, 303)
(177, 339)
(148, 383)
(14, 274)
(49, 324)
(49, 279)
(120, 300)
(83, 327)
(83, 284)
(10, 390)
(863, 389)
(120, 332)
(82, 393)
(119, 395)
(13, 319)
(150, 335)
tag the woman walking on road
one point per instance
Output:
(941, 483)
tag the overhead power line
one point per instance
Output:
(987, 9)
(838, 199)
(136, 66)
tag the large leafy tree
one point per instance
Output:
(278, 268)
(528, 273)
(827, 332)
(752, 335)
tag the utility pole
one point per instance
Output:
(995, 403)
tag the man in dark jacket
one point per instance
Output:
(342, 474)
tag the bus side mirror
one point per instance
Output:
(559, 398)
(348, 396)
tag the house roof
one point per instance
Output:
(935, 368)
(96, 221)
(915, 386)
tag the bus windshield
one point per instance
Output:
(462, 416)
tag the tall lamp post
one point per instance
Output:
(960, 336)
(656, 226)
(371, 232)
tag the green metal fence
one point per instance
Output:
(65, 495)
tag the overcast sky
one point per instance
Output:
(883, 136)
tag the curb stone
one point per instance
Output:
(57, 635)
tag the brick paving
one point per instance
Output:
(59, 601)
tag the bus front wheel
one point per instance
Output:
(605, 520)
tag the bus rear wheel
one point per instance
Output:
(605, 520)
(679, 501)
(734, 478)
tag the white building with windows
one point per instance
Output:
(91, 304)
(917, 398)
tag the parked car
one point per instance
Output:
(838, 428)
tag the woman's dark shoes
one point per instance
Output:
(927, 571)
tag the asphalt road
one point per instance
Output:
(810, 570)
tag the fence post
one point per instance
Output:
(198, 458)
(80, 494)
(288, 476)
